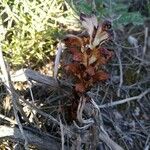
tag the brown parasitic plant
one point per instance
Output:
(87, 56)
(87, 53)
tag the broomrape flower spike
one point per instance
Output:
(99, 33)
(87, 53)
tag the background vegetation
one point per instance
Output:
(30, 29)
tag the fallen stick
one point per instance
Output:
(10, 88)
(8, 119)
(25, 74)
(109, 142)
(125, 100)
(38, 139)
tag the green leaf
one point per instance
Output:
(132, 17)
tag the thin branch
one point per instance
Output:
(102, 133)
(85, 127)
(62, 134)
(25, 74)
(33, 107)
(147, 144)
(125, 100)
(121, 72)
(30, 89)
(78, 142)
(144, 48)
(99, 119)
(57, 59)
(113, 145)
(8, 119)
(10, 89)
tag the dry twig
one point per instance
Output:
(120, 69)
(62, 134)
(11, 91)
(125, 100)
(8, 119)
(57, 59)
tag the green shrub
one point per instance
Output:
(115, 10)
(30, 29)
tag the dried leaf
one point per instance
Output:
(102, 60)
(100, 76)
(103, 33)
(85, 59)
(73, 41)
(73, 50)
(90, 70)
(80, 87)
(94, 57)
(86, 77)
(103, 50)
(89, 23)
(98, 33)
(73, 68)
(100, 38)
(106, 53)
(77, 56)
(85, 40)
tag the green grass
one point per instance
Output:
(31, 28)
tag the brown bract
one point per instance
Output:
(87, 53)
